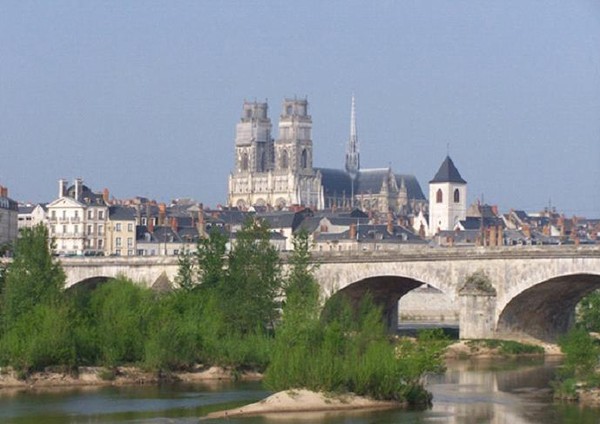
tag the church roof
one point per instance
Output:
(448, 173)
(337, 182)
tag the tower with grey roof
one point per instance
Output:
(447, 198)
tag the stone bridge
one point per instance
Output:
(532, 291)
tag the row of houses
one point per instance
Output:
(87, 223)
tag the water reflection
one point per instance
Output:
(485, 391)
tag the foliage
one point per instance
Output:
(248, 294)
(506, 347)
(588, 312)
(39, 339)
(581, 354)
(121, 311)
(32, 278)
(211, 259)
(352, 353)
(185, 278)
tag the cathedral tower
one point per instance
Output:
(293, 148)
(253, 142)
(447, 198)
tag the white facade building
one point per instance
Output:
(77, 220)
(447, 198)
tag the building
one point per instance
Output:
(280, 173)
(9, 213)
(120, 231)
(447, 199)
(77, 219)
(32, 215)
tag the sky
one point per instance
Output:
(142, 97)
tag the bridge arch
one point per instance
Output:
(386, 291)
(546, 309)
(89, 283)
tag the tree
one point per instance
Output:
(248, 293)
(210, 259)
(588, 312)
(302, 291)
(33, 277)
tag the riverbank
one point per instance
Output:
(465, 349)
(301, 400)
(118, 376)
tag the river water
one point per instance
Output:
(491, 391)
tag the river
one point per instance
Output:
(474, 391)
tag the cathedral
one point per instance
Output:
(279, 173)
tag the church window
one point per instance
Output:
(244, 162)
(284, 159)
(439, 197)
(263, 162)
(288, 110)
(456, 196)
(304, 159)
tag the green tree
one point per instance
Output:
(32, 278)
(588, 312)
(211, 259)
(121, 311)
(248, 294)
(581, 353)
(185, 278)
(302, 292)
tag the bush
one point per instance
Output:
(120, 312)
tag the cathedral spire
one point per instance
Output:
(352, 155)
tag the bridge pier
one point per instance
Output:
(477, 308)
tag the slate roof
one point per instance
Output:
(447, 173)
(336, 182)
(121, 213)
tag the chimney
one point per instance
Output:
(150, 225)
(162, 214)
(105, 196)
(495, 210)
(201, 223)
(493, 235)
(352, 231)
(500, 236)
(390, 223)
(78, 189)
(3, 191)
(62, 187)
(174, 224)
(526, 231)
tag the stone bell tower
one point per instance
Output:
(253, 142)
(293, 148)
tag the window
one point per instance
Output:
(76, 229)
(53, 229)
(118, 252)
(118, 242)
(130, 227)
(91, 214)
(284, 159)
(100, 229)
(53, 215)
(129, 242)
(130, 253)
(304, 159)
(144, 221)
(100, 214)
(76, 214)
(118, 226)
(456, 196)
(100, 243)
(64, 229)
(90, 230)
(244, 162)
(439, 197)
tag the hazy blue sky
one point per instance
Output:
(143, 97)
